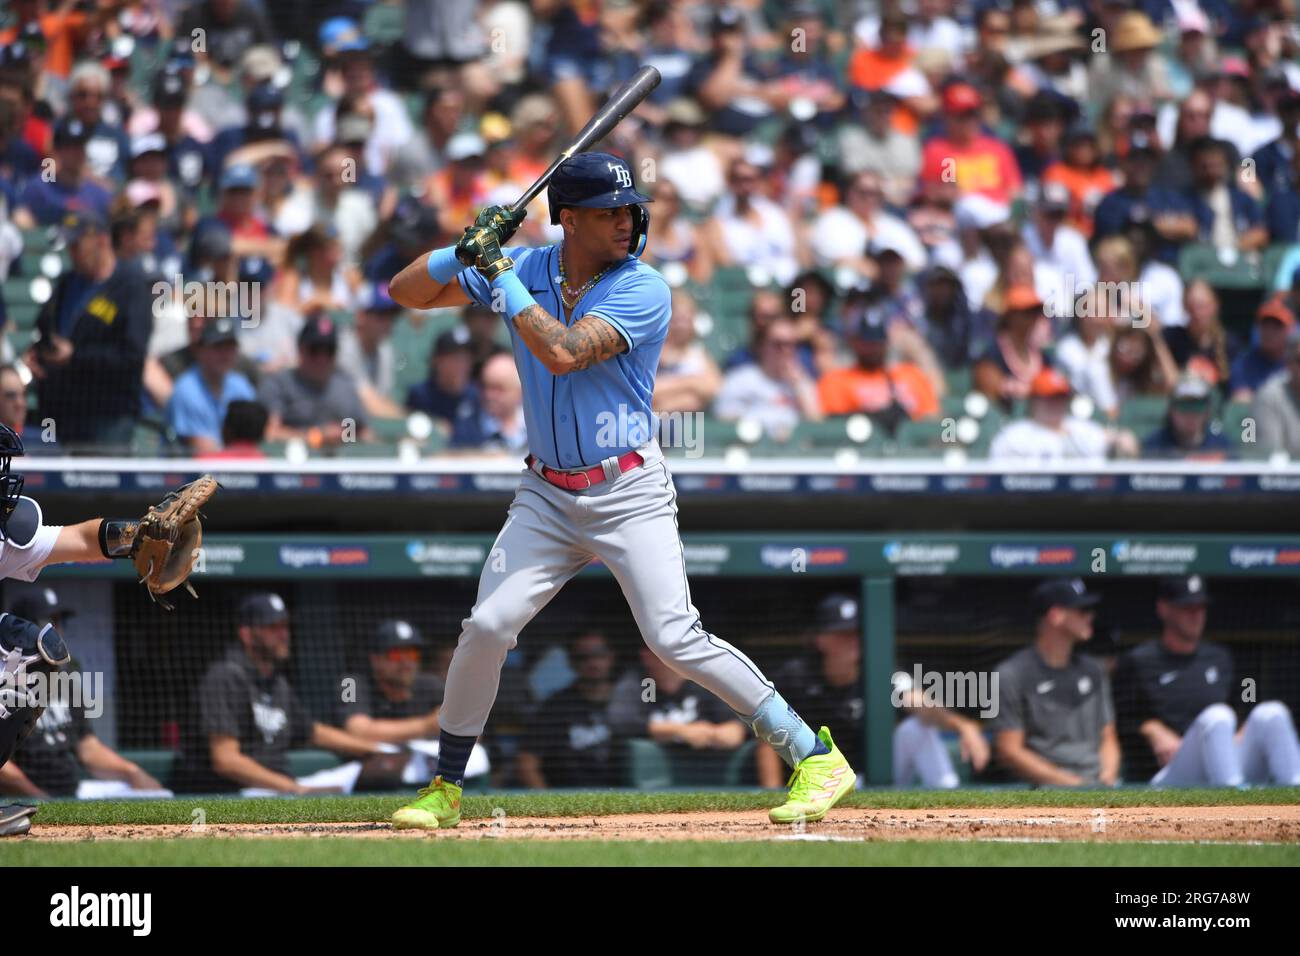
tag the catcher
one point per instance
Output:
(163, 544)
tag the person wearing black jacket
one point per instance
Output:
(88, 357)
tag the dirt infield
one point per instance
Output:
(1254, 824)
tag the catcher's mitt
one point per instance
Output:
(167, 543)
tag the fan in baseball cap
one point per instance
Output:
(838, 612)
(1183, 590)
(394, 634)
(1062, 592)
(260, 610)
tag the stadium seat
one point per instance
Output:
(648, 767)
(1142, 413)
(384, 22)
(1200, 260)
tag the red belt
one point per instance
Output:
(582, 480)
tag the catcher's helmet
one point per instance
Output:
(599, 181)
(11, 486)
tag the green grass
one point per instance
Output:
(334, 809)
(432, 851)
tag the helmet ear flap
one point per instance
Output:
(640, 229)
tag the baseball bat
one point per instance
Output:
(625, 99)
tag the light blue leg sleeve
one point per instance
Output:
(777, 724)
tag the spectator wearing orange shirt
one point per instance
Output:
(66, 30)
(461, 188)
(966, 160)
(1081, 172)
(888, 392)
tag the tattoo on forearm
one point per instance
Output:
(585, 343)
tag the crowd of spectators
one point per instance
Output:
(887, 205)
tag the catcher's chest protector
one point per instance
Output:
(26, 649)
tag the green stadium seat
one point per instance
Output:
(648, 767)
(1200, 260)
(159, 764)
(384, 23)
(1142, 413)
(304, 762)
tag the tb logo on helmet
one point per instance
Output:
(622, 175)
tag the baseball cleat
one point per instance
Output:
(15, 819)
(436, 808)
(817, 784)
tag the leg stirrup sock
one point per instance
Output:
(776, 723)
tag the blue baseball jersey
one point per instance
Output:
(580, 419)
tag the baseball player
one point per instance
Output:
(1173, 697)
(27, 545)
(587, 321)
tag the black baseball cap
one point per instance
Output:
(218, 331)
(262, 609)
(453, 340)
(1063, 592)
(40, 605)
(838, 612)
(70, 131)
(395, 633)
(1183, 590)
(319, 330)
(169, 90)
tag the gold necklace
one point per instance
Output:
(569, 297)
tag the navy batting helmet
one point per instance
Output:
(599, 181)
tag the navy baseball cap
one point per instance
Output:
(169, 90)
(70, 132)
(40, 606)
(239, 176)
(592, 181)
(453, 340)
(262, 609)
(81, 223)
(395, 633)
(218, 331)
(870, 327)
(1184, 590)
(319, 330)
(1063, 592)
(838, 612)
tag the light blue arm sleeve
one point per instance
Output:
(639, 307)
(478, 288)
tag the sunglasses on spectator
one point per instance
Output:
(402, 655)
(783, 343)
(13, 396)
(320, 350)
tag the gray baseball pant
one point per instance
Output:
(550, 534)
(1211, 753)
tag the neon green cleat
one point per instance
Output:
(817, 784)
(436, 808)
